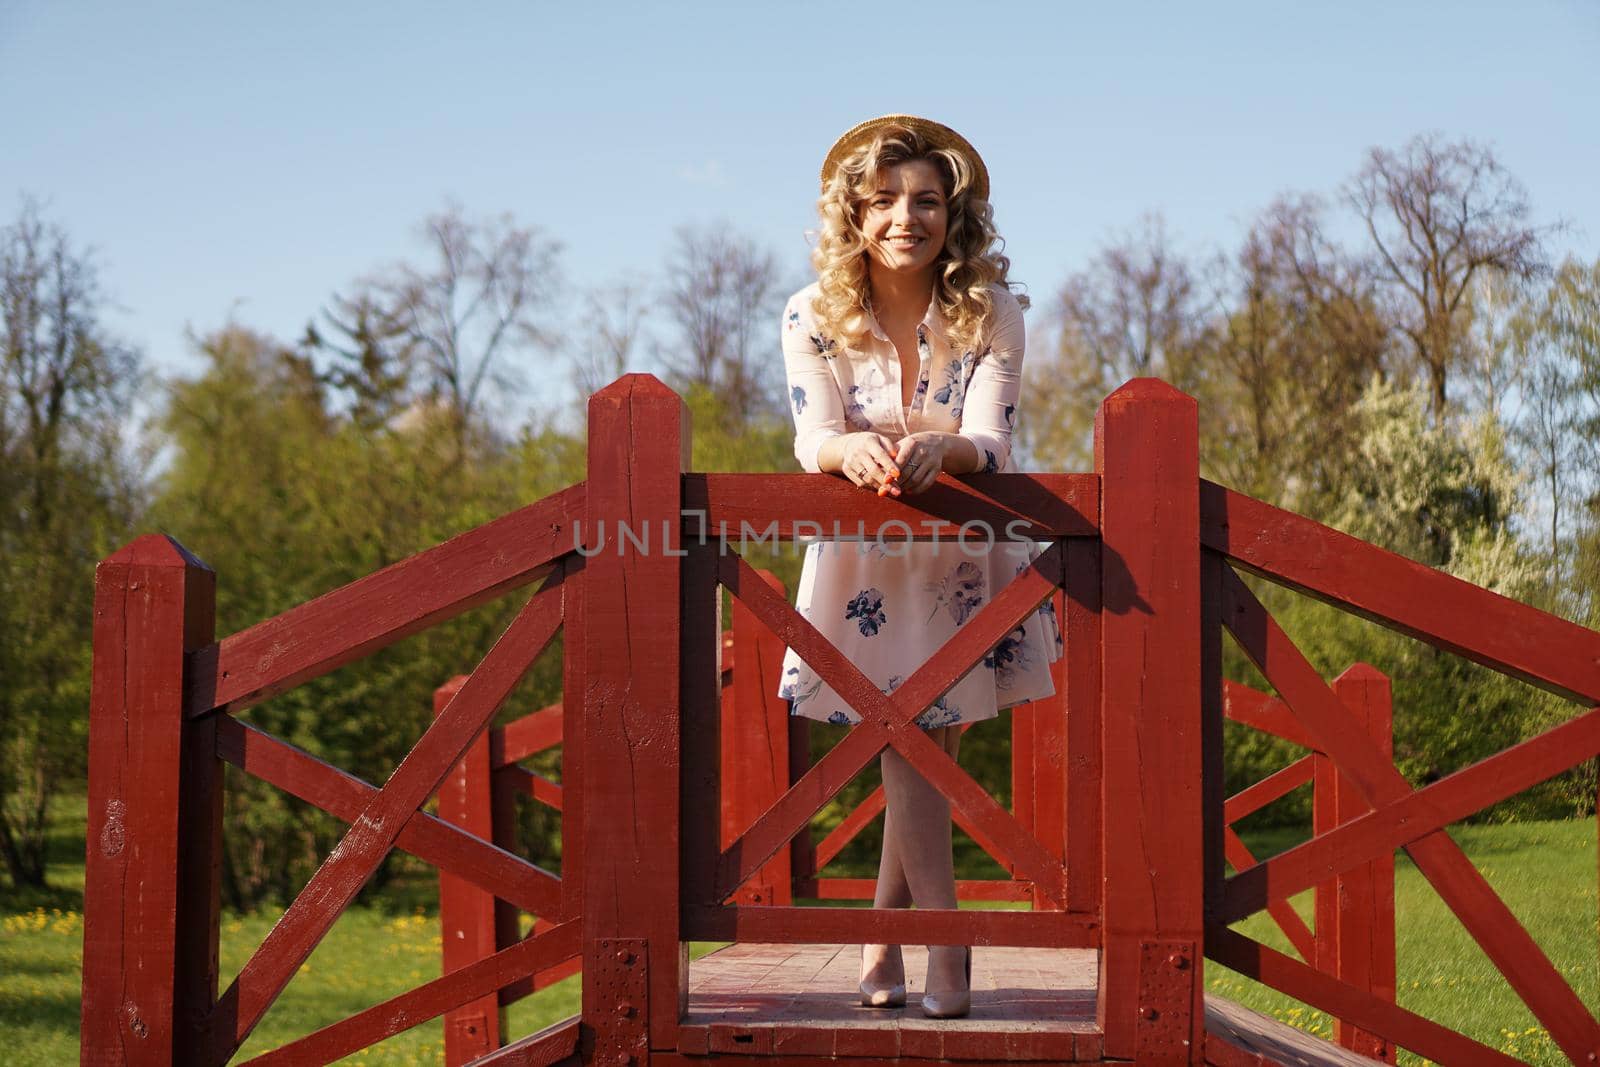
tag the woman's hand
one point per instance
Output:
(920, 458)
(868, 460)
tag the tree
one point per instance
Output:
(372, 357)
(1438, 214)
(487, 295)
(287, 497)
(68, 495)
(610, 335)
(1135, 311)
(1300, 337)
(722, 295)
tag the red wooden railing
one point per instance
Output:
(1144, 554)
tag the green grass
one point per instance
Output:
(1545, 871)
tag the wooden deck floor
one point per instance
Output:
(1027, 1004)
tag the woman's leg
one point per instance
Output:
(883, 965)
(917, 832)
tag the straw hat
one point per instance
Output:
(940, 135)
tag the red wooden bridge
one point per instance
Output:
(1119, 834)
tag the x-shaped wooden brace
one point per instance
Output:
(1466, 892)
(887, 720)
(374, 832)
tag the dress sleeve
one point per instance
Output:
(989, 410)
(814, 399)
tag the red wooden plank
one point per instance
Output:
(550, 1046)
(427, 1001)
(906, 1058)
(537, 786)
(850, 826)
(1393, 591)
(374, 612)
(1365, 894)
(1485, 916)
(149, 956)
(345, 797)
(1255, 709)
(862, 889)
(527, 736)
(1282, 912)
(638, 448)
(918, 926)
(782, 506)
(1023, 759)
(1414, 815)
(1146, 451)
(1080, 627)
(466, 913)
(705, 701)
(373, 833)
(1406, 1029)
(830, 774)
(1280, 783)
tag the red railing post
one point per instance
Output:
(151, 879)
(1364, 913)
(1150, 990)
(755, 746)
(635, 963)
(466, 913)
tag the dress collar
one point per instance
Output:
(930, 318)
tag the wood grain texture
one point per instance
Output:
(638, 449)
(374, 612)
(467, 925)
(1405, 596)
(1364, 895)
(1034, 507)
(1146, 451)
(149, 938)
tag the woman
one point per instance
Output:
(904, 359)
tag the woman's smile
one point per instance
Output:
(906, 217)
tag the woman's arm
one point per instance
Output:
(820, 442)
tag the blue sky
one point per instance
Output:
(247, 160)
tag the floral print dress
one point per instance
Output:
(889, 607)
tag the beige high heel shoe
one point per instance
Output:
(891, 996)
(950, 1003)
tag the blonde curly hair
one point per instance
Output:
(970, 262)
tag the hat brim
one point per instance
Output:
(940, 135)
